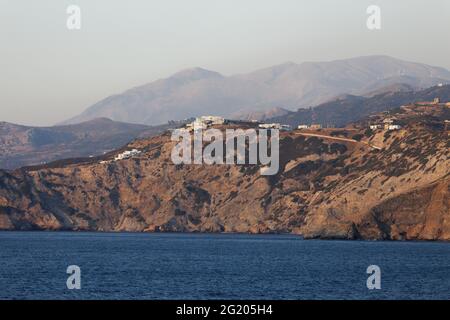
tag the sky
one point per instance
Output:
(49, 73)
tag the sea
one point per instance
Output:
(192, 266)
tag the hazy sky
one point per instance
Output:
(49, 74)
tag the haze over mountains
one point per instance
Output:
(197, 91)
(351, 89)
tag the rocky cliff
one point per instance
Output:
(350, 183)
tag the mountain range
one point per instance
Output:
(290, 86)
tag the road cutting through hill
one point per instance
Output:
(336, 138)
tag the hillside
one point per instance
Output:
(191, 92)
(23, 145)
(349, 183)
(350, 108)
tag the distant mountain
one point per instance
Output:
(23, 145)
(350, 108)
(289, 86)
(261, 115)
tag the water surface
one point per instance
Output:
(217, 266)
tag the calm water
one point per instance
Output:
(199, 266)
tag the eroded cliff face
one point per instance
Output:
(326, 188)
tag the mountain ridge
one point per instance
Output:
(192, 92)
(350, 108)
(22, 145)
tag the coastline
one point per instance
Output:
(293, 235)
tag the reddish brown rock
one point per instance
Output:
(326, 188)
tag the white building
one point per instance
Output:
(270, 126)
(210, 120)
(282, 127)
(127, 154)
(375, 126)
(201, 123)
(394, 127)
(303, 126)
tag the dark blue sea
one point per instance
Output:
(217, 266)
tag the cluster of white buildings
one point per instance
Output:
(203, 122)
(127, 154)
(307, 126)
(388, 124)
(122, 156)
(279, 126)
